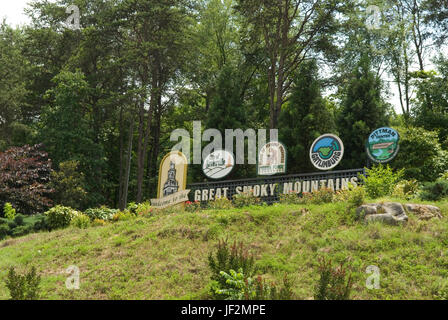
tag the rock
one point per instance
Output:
(383, 218)
(365, 210)
(391, 213)
(424, 212)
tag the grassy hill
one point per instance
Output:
(165, 256)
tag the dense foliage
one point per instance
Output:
(24, 179)
(104, 99)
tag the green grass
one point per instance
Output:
(165, 256)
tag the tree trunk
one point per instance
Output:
(124, 199)
(121, 173)
(140, 154)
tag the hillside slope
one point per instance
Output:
(165, 256)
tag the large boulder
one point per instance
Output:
(394, 213)
(423, 211)
(391, 213)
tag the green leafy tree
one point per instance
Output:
(66, 129)
(287, 32)
(431, 110)
(68, 184)
(304, 118)
(420, 155)
(363, 110)
(13, 67)
(23, 287)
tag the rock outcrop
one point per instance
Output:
(423, 211)
(394, 213)
(391, 213)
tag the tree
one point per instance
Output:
(227, 110)
(156, 48)
(287, 30)
(420, 154)
(66, 128)
(431, 103)
(363, 110)
(68, 185)
(305, 117)
(215, 41)
(13, 67)
(24, 179)
(437, 17)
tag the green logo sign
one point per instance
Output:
(382, 145)
(326, 152)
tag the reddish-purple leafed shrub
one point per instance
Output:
(24, 177)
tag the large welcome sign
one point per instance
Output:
(172, 180)
(270, 188)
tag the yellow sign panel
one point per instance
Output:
(172, 174)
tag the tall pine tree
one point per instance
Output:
(363, 110)
(305, 118)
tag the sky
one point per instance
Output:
(12, 10)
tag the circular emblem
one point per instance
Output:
(326, 152)
(272, 159)
(382, 145)
(218, 164)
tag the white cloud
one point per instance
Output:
(13, 12)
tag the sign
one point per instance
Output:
(270, 188)
(382, 145)
(218, 164)
(272, 159)
(171, 199)
(326, 152)
(172, 174)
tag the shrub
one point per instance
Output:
(220, 203)
(192, 206)
(143, 209)
(102, 213)
(24, 176)
(68, 184)
(98, 223)
(240, 287)
(356, 196)
(39, 222)
(229, 257)
(23, 287)
(333, 283)
(21, 231)
(60, 217)
(245, 199)
(421, 155)
(19, 220)
(290, 198)
(10, 212)
(4, 231)
(380, 181)
(123, 216)
(81, 221)
(406, 189)
(132, 207)
(444, 176)
(323, 195)
(434, 191)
